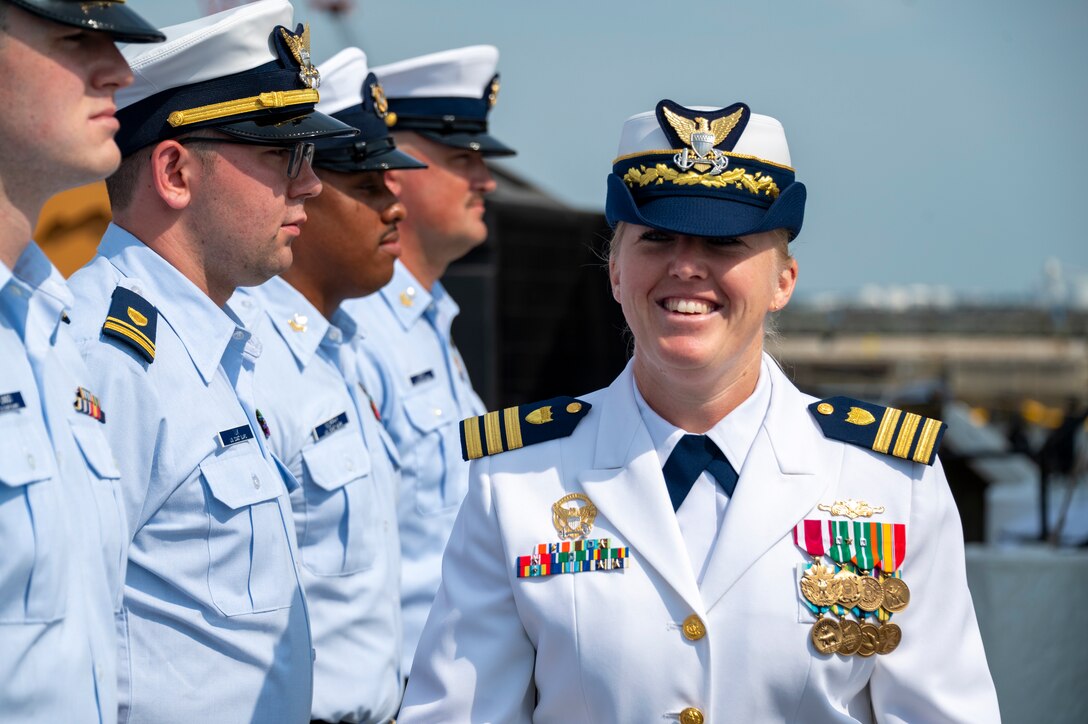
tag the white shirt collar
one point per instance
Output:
(733, 434)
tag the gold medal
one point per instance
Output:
(872, 595)
(896, 594)
(888, 638)
(820, 586)
(826, 635)
(870, 640)
(851, 637)
(849, 592)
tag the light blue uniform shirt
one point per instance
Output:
(423, 391)
(324, 430)
(61, 529)
(214, 624)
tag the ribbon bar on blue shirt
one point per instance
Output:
(235, 435)
(11, 401)
(329, 426)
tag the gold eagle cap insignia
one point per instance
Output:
(573, 516)
(299, 45)
(720, 127)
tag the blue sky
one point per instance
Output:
(941, 142)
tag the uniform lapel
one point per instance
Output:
(628, 488)
(785, 475)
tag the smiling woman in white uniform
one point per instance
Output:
(610, 564)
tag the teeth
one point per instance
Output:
(687, 306)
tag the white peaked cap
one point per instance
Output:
(457, 73)
(342, 78)
(211, 47)
(763, 137)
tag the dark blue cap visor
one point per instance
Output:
(112, 18)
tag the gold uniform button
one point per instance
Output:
(824, 408)
(691, 715)
(694, 629)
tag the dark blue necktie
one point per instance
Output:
(691, 456)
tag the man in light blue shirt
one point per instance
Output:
(439, 105)
(319, 419)
(61, 529)
(209, 196)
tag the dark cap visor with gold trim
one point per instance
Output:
(111, 17)
(272, 103)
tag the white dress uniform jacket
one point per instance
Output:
(608, 646)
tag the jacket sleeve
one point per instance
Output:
(474, 662)
(939, 671)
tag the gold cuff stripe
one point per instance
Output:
(887, 427)
(675, 151)
(492, 433)
(513, 428)
(473, 446)
(906, 435)
(133, 334)
(924, 452)
(264, 101)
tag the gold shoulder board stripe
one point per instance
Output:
(132, 333)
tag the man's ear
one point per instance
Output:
(174, 169)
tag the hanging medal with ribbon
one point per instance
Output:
(892, 542)
(818, 585)
(864, 548)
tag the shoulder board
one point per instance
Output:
(519, 426)
(132, 320)
(883, 429)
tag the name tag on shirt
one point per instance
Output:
(329, 426)
(425, 376)
(11, 401)
(235, 435)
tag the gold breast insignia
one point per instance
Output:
(573, 516)
(851, 508)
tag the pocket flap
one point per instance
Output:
(240, 480)
(336, 461)
(431, 411)
(25, 455)
(96, 450)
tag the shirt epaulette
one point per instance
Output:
(514, 427)
(886, 430)
(132, 320)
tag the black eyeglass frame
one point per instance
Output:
(301, 151)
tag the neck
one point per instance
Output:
(425, 269)
(324, 299)
(694, 401)
(17, 218)
(169, 239)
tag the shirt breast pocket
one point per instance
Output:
(250, 564)
(33, 570)
(111, 514)
(438, 485)
(341, 515)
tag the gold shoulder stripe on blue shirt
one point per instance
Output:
(519, 426)
(886, 430)
(132, 320)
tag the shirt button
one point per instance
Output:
(237, 334)
(691, 715)
(438, 412)
(256, 482)
(349, 464)
(30, 461)
(694, 629)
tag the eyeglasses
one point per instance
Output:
(301, 151)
